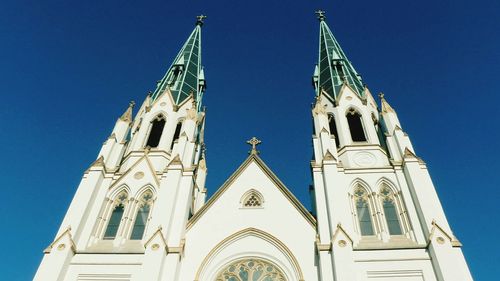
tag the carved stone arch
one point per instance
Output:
(351, 109)
(145, 188)
(359, 182)
(113, 192)
(209, 267)
(386, 182)
(158, 115)
(252, 199)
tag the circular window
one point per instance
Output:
(251, 270)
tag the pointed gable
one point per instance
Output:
(253, 175)
(140, 174)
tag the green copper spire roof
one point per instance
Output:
(185, 76)
(333, 66)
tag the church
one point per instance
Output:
(141, 210)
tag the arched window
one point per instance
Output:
(142, 216)
(156, 130)
(173, 83)
(390, 211)
(355, 125)
(250, 270)
(333, 128)
(252, 199)
(363, 213)
(177, 134)
(116, 215)
(338, 67)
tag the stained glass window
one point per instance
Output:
(116, 216)
(251, 270)
(363, 212)
(390, 211)
(142, 216)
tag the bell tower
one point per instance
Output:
(128, 216)
(378, 212)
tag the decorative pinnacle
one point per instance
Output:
(193, 102)
(203, 150)
(386, 107)
(199, 19)
(127, 115)
(254, 142)
(321, 15)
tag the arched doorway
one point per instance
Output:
(251, 269)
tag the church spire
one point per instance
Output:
(333, 69)
(185, 76)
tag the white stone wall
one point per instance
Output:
(226, 231)
(415, 255)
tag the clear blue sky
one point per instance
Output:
(69, 68)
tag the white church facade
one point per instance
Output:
(141, 212)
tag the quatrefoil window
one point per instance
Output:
(252, 199)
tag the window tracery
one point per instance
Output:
(388, 201)
(251, 270)
(363, 212)
(252, 199)
(115, 218)
(143, 210)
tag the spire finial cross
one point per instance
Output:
(381, 95)
(254, 142)
(321, 15)
(199, 19)
(131, 104)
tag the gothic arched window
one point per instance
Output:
(390, 211)
(251, 270)
(157, 126)
(141, 219)
(252, 199)
(363, 213)
(116, 215)
(333, 128)
(355, 125)
(177, 134)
